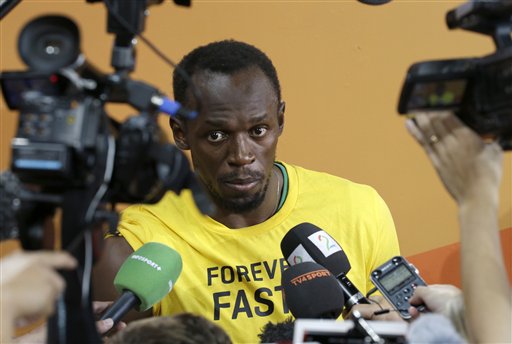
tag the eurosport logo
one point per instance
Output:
(147, 261)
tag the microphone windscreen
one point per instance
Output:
(311, 291)
(306, 242)
(150, 273)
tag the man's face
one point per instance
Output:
(233, 140)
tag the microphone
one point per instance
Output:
(307, 242)
(311, 291)
(145, 277)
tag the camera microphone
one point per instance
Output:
(306, 242)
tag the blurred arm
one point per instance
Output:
(29, 286)
(471, 171)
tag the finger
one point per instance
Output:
(438, 124)
(413, 312)
(451, 121)
(417, 296)
(54, 287)
(423, 122)
(54, 280)
(415, 131)
(460, 132)
(104, 325)
(120, 325)
(412, 128)
(365, 310)
(421, 129)
(100, 306)
(57, 260)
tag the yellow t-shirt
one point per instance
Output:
(232, 276)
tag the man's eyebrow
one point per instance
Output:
(221, 121)
(218, 121)
(259, 118)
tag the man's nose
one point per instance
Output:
(241, 152)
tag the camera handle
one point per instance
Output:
(132, 14)
(490, 18)
(74, 320)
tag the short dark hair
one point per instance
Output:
(184, 328)
(227, 57)
(281, 332)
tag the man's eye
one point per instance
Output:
(260, 131)
(216, 136)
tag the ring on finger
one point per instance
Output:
(433, 139)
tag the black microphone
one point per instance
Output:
(311, 291)
(307, 242)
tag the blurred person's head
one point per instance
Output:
(281, 332)
(184, 328)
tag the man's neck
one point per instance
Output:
(237, 221)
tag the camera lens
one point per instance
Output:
(49, 43)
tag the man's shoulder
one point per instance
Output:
(166, 204)
(317, 179)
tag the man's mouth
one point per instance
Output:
(242, 184)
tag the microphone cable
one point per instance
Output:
(382, 309)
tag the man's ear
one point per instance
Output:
(280, 116)
(178, 132)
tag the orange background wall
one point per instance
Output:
(341, 65)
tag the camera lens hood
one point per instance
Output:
(49, 43)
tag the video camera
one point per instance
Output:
(65, 140)
(68, 153)
(479, 90)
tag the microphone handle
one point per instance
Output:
(352, 295)
(123, 305)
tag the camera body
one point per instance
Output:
(68, 153)
(478, 90)
(55, 144)
(65, 139)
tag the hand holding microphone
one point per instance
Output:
(145, 277)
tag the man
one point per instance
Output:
(232, 261)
